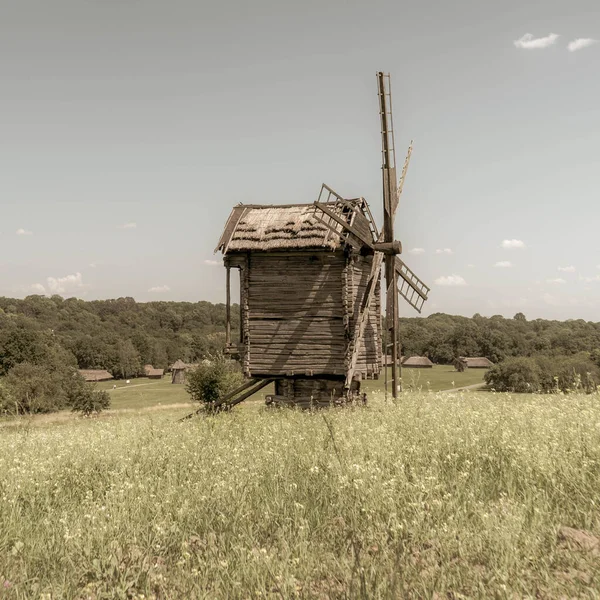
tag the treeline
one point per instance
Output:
(118, 335)
(122, 335)
(443, 337)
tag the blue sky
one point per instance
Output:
(128, 130)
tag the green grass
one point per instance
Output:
(457, 495)
(143, 393)
(438, 378)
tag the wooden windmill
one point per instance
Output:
(310, 310)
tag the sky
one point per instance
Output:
(129, 129)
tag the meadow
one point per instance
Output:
(436, 496)
(145, 393)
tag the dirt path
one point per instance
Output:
(128, 387)
(475, 386)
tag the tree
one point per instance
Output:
(84, 397)
(213, 378)
(35, 389)
(128, 359)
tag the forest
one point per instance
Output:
(122, 335)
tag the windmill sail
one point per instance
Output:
(411, 288)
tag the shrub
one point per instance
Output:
(34, 389)
(213, 378)
(84, 397)
(29, 389)
(544, 374)
(514, 375)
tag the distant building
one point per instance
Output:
(156, 373)
(417, 362)
(477, 362)
(95, 374)
(178, 372)
(147, 369)
(387, 360)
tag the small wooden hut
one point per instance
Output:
(178, 372)
(147, 369)
(156, 373)
(477, 362)
(95, 374)
(417, 362)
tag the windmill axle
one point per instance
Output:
(393, 248)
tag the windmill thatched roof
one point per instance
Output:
(294, 226)
(178, 365)
(417, 361)
(477, 362)
(95, 374)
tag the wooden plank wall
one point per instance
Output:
(369, 356)
(295, 315)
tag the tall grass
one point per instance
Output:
(457, 495)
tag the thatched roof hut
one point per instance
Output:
(282, 227)
(147, 369)
(417, 362)
(95, 374)
(178, 372)
(156, 373)
(477, 362)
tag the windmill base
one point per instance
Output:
(314, 393)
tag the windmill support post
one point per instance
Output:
(228, 308)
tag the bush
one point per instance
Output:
(83, 397)
(514, 375)
(30, 389)
(34, 389)
(544, 374)
(214, 378)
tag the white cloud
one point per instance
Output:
(127, 226)
(23, 232)
(417, 251)
(212, 263)
(590, 279)
(528, 42)
(450, 280)
(160, 289)
(580, 43)
(443, 251)
(551, 300)
(503, 264)
(513, 244)
(569, 269)
(471, 266)
(68, 284)
(62, 285)
(558, 281)
(38, 288)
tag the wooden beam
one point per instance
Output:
(363, 317)
(345, 225)
(228, 307)
(256, 388)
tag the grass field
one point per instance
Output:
(438, 496)
(142, 393)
